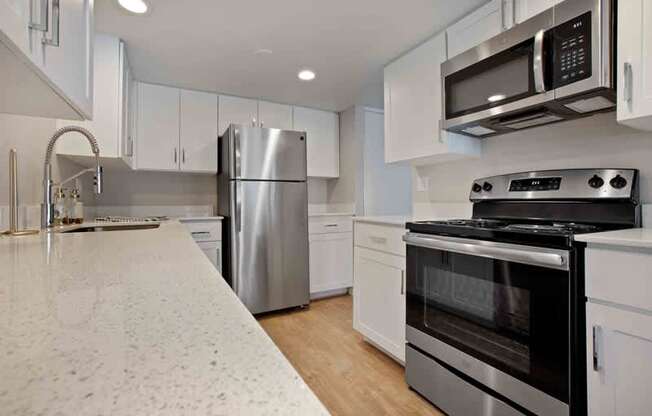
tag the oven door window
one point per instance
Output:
(512, 316)
(500, 79)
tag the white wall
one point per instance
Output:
(587, 143)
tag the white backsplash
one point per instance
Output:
(174, 211)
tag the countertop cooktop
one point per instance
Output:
(132, 323)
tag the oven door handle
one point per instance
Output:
(536, 256)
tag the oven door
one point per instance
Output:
(480, 306)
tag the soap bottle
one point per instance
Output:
(77, 211)
(60, 207)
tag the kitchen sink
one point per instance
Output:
(96, 228)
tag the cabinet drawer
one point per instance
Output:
(204, 230)
(328, 225)
(380, 237)
(620, 276)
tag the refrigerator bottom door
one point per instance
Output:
(270, 244)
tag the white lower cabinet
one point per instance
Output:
(379, 296)
(619, 331)
(331, 254)
(207, 232)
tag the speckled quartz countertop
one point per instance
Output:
(133, 323)
(633, 237)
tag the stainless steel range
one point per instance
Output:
(496, 305)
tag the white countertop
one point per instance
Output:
(395, 220)
(132, 323)
(209, 218)
(633, 237)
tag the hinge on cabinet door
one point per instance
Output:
(597, 332)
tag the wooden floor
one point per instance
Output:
(349, 376)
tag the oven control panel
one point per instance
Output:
(574, 184)
(535, 184)
(572, 51)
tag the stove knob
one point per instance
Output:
(487, 187)
(618, 182)
(596, 182)
(476, 188)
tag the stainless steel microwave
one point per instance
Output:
(557, 65)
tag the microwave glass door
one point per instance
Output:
(512, 316)
(502, 78)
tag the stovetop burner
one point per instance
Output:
(570, 227)
(505, 225)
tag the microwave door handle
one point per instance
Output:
(538, 67)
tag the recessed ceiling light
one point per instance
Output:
(263, 51)
(497, 97)
(134, 6)
(306, 75)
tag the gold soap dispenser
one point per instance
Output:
(13, 198)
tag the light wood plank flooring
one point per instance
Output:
(349, 376)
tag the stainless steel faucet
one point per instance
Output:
(47, 208)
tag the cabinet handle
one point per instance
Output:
(402, 282)
(183, 155)
(175, 155)
(597, 333)
(42, 24)
(54, 40)
(330, 225)
(378, 240)
(628, 74)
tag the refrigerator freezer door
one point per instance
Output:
(270, 241)
(267, 154)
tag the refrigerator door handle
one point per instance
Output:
(236, 151)
(238, 206)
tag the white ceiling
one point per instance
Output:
(209, 44)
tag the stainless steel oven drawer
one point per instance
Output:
(449, 392)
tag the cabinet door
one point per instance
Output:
(107, 121)
(635, 63)
(158, 128)
(322, 140)
(237, 110)
(213, 250)
(132, 107)
(525, 9)
(70, 64)
(198, 131)
(331, 261)
(15, 19)
(379, 299)
(485, 23)
(125, 148)
(619, 361)
(274, 116)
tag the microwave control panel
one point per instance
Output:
(572, 51)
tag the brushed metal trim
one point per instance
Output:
(450, 393)
(535, 256)
(514, 389)
(522, 104)
(574, 185)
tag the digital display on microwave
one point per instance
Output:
(535, 184)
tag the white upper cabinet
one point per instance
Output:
(322, 141)
(157, 143)
(274, 116)
(484, 23)
(107, 124)
(198, 131)
(525, 9)
(413, 109)
(634, 67)
(46, 58)
(237, 110)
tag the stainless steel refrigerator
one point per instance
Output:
(262, 193)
